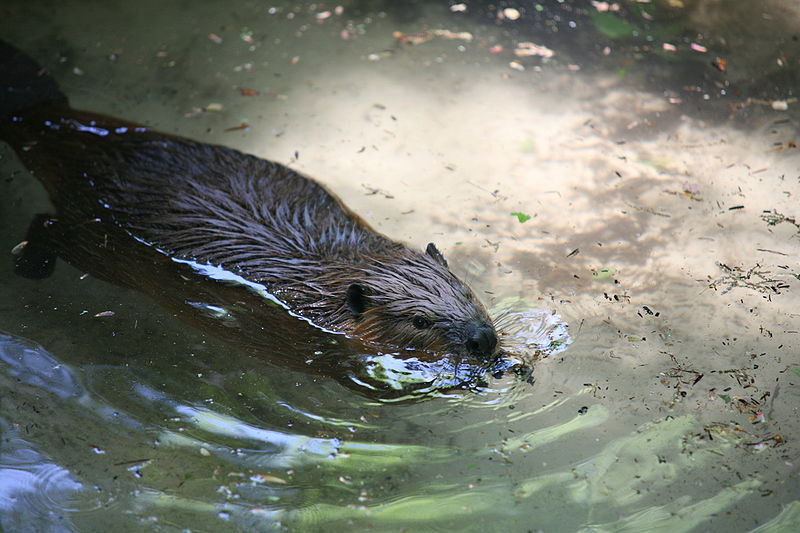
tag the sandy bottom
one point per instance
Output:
(662, 232)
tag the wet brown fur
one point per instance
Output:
(264, 221)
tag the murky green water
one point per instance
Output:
(655, 154)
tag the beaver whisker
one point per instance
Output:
(503, 318)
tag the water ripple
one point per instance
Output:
(34, 493)
(31, 364)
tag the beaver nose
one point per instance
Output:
(481, 341)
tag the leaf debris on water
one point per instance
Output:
(777, 105)
(766, 250)
(509, 13)
(527, 49)
(17, 250)
(605, 6)
(243, 126)
(425, 36)
(773, 218)
(603, 273)
(755, 278)
(266, 478)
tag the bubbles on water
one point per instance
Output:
(528, 333)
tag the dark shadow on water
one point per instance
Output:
(714, 61)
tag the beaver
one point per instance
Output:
(132, 202)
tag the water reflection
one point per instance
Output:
(252, 465)
(34, 493)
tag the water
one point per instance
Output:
(661, 257)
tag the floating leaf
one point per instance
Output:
(612, 26)
(266, 478)
(603, 273)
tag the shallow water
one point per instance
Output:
(662, 196)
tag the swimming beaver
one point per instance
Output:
(122, 190)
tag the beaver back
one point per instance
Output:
(213, 205)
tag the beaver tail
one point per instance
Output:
(23, 83)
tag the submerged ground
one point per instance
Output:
(629, 170)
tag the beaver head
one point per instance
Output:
(412, 300)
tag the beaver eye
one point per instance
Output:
(420, 322)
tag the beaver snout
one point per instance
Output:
(481, 340)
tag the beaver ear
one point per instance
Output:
(357, 300)
(434, 252)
